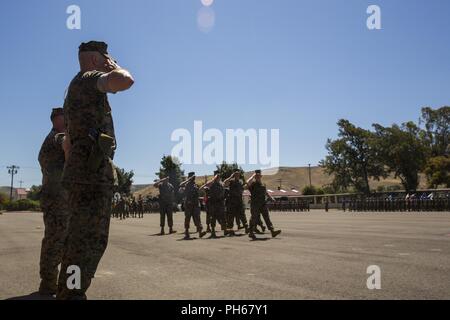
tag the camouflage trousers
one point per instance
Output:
(56, 220)
(208, 215)
(166, 210)
(236, 211)
(192, 211)
(256, 212)
(216, 214)
(87, 238)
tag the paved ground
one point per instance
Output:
(319, 255)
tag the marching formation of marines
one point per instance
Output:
(223, 203)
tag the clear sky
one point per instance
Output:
(293, 65)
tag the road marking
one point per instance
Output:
(389, 245)
(436, 250)
(403, 254)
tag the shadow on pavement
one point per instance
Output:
(240, 235)
(261, 239)
(162, 235)
(33, 296)
(214, 238)
(184, 239)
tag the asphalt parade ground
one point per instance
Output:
(318, 256)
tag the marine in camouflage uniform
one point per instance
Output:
(53, 204)
(166, 200)
(89, 174)
(216, 205)
(258, 205)
(208, 214)
(133, 207)
(141, 206)
(191, 205)
(235, 203)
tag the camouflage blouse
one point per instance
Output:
(51, 159)
(87, 114)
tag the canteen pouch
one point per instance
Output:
(102, 149)
(106, 144)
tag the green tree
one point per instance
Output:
(352, 158)
(125, 180)
(437, 171)
(437, 129)
(171, 167)
(437, 138)
(312, 190)
(329, 189)
(402, 151)
(35, 193)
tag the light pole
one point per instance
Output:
(12, 170)
(309, 172)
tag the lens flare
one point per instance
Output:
(207, 3)
(206, 19)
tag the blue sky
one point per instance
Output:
(293, 65)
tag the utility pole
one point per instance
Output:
(20, 182)
(280, 181)
(309, 172)
(12, 170)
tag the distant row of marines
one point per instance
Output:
(397, 204)
(130, 207)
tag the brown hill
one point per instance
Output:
(295, 178)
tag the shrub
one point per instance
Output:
(23, 205)
(3, 201)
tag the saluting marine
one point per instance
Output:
(89, 174)
(258, 204)
(235, 203)
(191, 205)
(216, 205)
(166, 200)
(53, 204)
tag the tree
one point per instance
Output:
(437, 129)
(312, 190)
(402, 151)
(35, 193)
(226, 170)
(352, 158)
(171, 167)
(125, 180)
(437, 138)
(437, 170)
